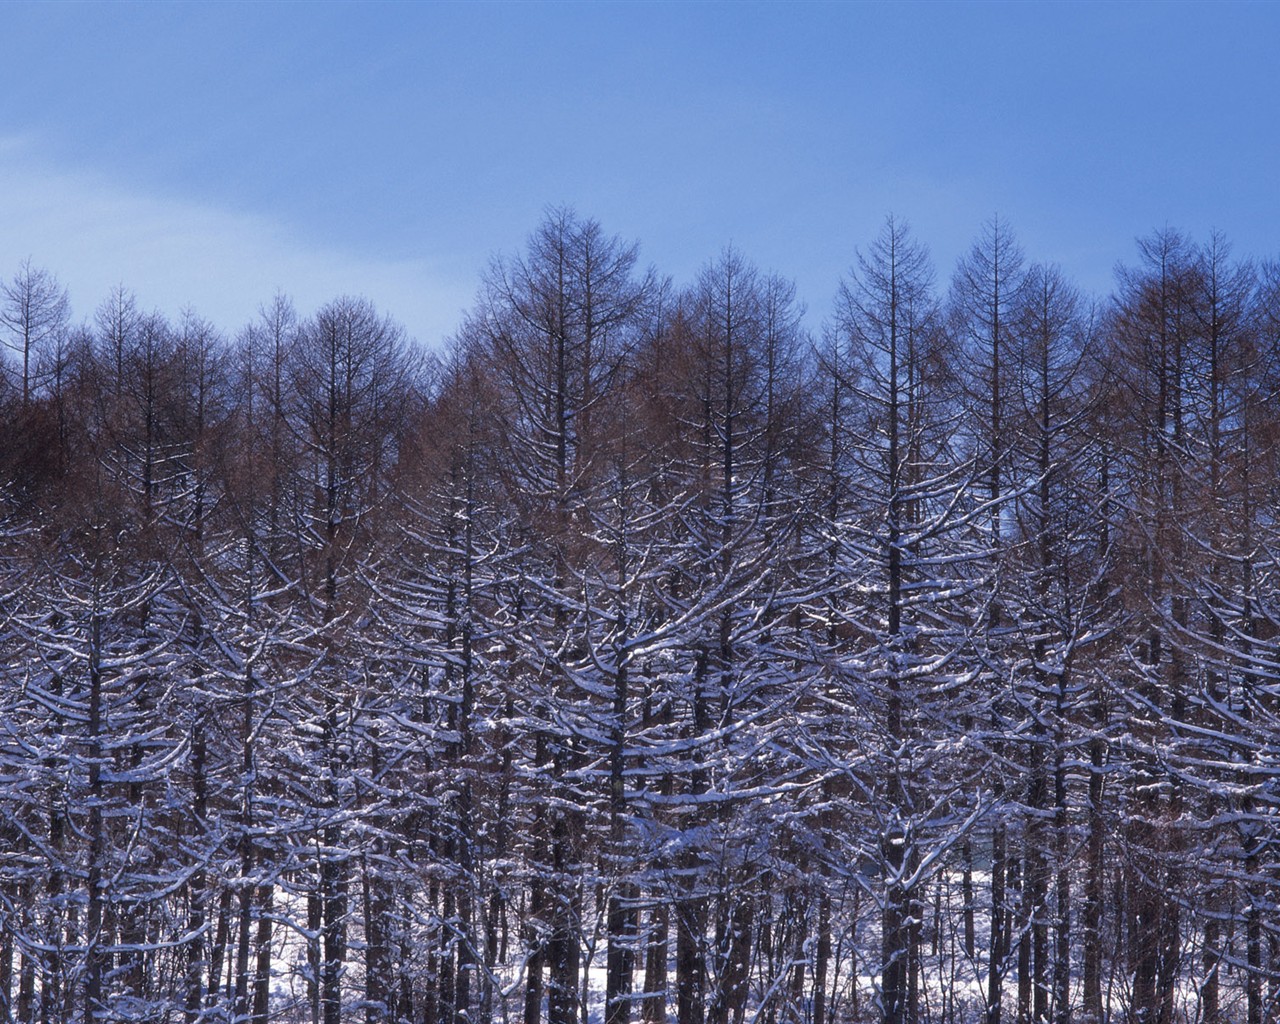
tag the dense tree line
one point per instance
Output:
(640, 657)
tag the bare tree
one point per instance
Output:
(35, 313)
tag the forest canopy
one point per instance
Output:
(641, 656)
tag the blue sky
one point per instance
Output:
(208, 155)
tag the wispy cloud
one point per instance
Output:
(94, 234)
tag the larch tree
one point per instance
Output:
(555, 329)
(1153, 329)
(917, 567)
(34, 312)
(1060, 609)
(982, 302)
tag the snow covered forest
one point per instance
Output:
(640, 657)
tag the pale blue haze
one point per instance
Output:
(210, 154)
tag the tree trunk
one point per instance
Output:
(535, 956)
(262, 979)
(655, 969)
(691, 967)
(1094, 885)
(822, 959)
